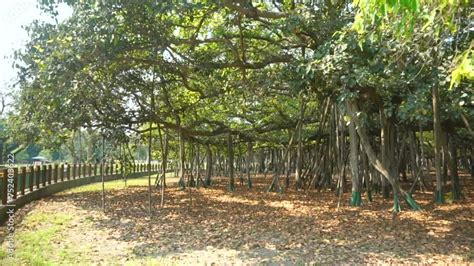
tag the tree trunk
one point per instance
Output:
(192, 166)
(249, 159)
(339, 152)
(80, 146)
(377, 164)
(102, 173)
(412, 150)
(472, 163)
(387, 151)
(271, 167)
(356, 199)
(230, 150)
(261, 167)
(149, 170)
(198, 167)
(367, 175)
(453, 167)
(439, 196)
(164, 164)
(208, 165)
(299, 151)
(444, 156)
(181, 181)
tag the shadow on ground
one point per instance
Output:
(249, 225)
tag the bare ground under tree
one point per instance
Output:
(252, 226)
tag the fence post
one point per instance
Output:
(68, 172)
(5, 186)
(43, 175)
(61, 172)
(55, 173)
(15, 182)
(23, 180)
(95, 169)
(73, 171)
(49, 172)
(37, 175)
(32, 176)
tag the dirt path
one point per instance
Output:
(252, 227)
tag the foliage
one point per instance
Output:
(201, 70)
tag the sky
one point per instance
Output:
(13, 15)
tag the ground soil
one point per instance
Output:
(251, 226)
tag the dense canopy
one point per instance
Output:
(303, 87)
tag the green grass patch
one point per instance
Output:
(34, 243)
(120, 184)
(75, 254)
(42, 240)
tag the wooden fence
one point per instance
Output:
(18, 181)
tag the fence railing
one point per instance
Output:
(18, 181)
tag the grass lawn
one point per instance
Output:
(120, 184)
